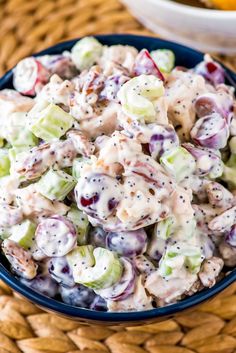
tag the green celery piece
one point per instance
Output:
(86, 52)
(4, 162)
(138, 95)
(229, 174)
(55, 185)
(23, 234)
(17, 133)
(80, 258)
(81, 223)
(51, 123)
(77, 166)
(106, 271)
(5, 233)
(164, 58)
(179, 163)
(164, 228)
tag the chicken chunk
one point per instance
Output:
(10, 215)
(139, 300)
(228, 254)
(35, 205)
(182, 89)
(32, 164)
(81, 143)
(57, 91)
(21, 261)
(219, 196)
(210, 270)
(224, 221)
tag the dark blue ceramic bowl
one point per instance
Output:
(184, 57)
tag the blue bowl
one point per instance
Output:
(184, 57)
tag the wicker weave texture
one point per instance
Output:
(28, 26)
(31, 25)
(25, 328)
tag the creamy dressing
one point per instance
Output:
(182, 89)
(57, 91)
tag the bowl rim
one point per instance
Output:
(184, 9)
(124, 317)
(111, 317)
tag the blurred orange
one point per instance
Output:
(222, 4)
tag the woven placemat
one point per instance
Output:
(209, 329)
(28, 26)
(31, 25)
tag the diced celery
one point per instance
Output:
(188, 229)
(22, 138)
(86, 52)
(55, 184)
(5, 233)
(163, 228)
(229, 174)
(169, 262)
(164, 58)
(12, 156)
(51, 123)
(179, 256)
(80, 258)
(81, 255)
(137, 97)
(81, 223)
(168, 271)
(179, 163)
(193, 263)
(23, 234)
(106, 271)
(17, 133)
(4, 162)
(78, 164)
(16, 154)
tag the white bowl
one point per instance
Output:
(204, 29)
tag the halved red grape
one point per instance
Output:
(99, 304)
(145, 65)
(43, 284)
(208, 161)
(29, 76)
(211, 131)
(231, 236)
(219, 102)
(60, 271)
(164, 138)
(127, 243)
(211, 71)
(112, 86)
(125, 286)
(98, 195)
(59, 64)
(97, 237)
(77, 296)
(56, 236)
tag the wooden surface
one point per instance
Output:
(31, 25)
